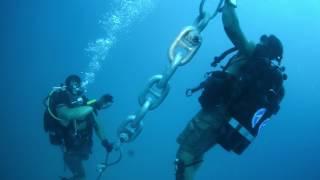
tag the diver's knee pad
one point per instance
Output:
(66, 178)
(180, 168)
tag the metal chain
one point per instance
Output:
(181, 52)
(204, 18)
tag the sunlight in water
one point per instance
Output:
(119, 19)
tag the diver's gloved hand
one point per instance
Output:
(104, 102)
(107, 145)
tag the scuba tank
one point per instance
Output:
(51, 123)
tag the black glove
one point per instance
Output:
(232, 3)
(103, 101)
(107, 145)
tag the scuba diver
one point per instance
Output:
(70, 119)
(236, 101)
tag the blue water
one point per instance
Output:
(44, 41)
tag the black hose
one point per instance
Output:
(116, 161)
(107, 164)
(218, 59)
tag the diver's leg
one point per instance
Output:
(74, 163)
(186, 165)
(197, 138)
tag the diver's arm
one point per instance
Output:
(201, 12)
(233, 30)
(98, 128)
(67, 114)
(101, 135)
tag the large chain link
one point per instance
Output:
(181, 52)
(204, 17)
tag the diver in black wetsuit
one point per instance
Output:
(70, 120)
(236, 101)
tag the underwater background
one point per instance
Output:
(117, 45)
